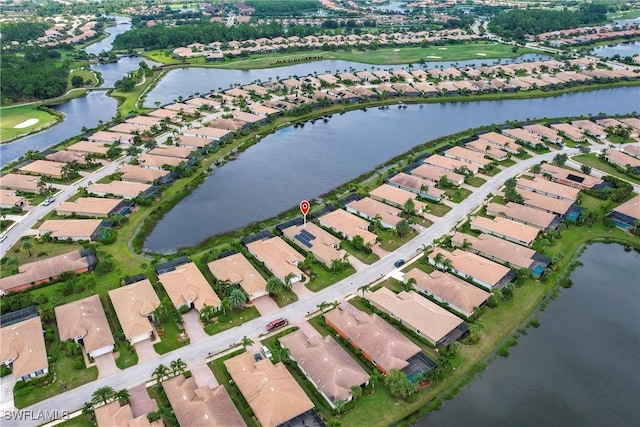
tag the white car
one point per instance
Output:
(48, 201)
(3, 237)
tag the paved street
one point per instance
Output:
(199, 350)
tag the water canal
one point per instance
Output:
(306, 162)
(579, 368)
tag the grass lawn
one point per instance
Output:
(324, 278)
(384, 56)
(87, 76)
(367, 258)
(458, 194)
(390, 241)
(474, 181)
(12, 116)
(499, 200)
(427, 268)
(589, 202)
(79, 421)
(437, 209)
(232, 319)
(50, 249)
(169, 341)
(128, 356)
(507, 162)
(592, 160)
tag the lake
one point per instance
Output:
(305, 162)
(579, 368)
(622, 49)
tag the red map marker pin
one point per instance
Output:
(304, 207)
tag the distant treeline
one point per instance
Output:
(516, 24)
(22, 31)
(161, 37)
(34, 73)
(280, 8)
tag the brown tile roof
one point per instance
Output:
(193, 141)
(144, 120)
(465, 154)
(44, 268)
(621, 159)
(543, 131)
(521, 213)
(114, 415)
(323, 247)
(545, 203)
(66, 156)
(481, 269)
(434, 174)
(559, 173)
(448, 163)
(88, 206)
(462, 296)
(415, 185)
(630, 208)
(201, 406)
(280, 258)
(349, 225)
(272, 393)
(22, 345)
(77, 229)
(246, 117)
(84, 319)
(171, 151)
(236, 268)
(133, 303)
(540, 185)
(16, 181)
(571, 132)
(381, 341)
(9, 199)
(154, 161)
(416, 312)
(481, 147)
(43, 167)
(330, 367)
(186, 283)
(88, 147)
(125, 189)
(497, 249)
(140, 174)
(370, 208)
(506, 228)
(208, 132)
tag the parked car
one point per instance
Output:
(257, 357)
(3, 237)
(266, 352)
(399, 263)
(277, 323)
(48, 201)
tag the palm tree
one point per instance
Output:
(178, 367)
(103, 395)
(356, 393)
(410, 284)
(122, 396)
(322, 306)
(246, 342)
(439, 258)
(26, 245)
(237, 298)
(465, 245)
(206, 313)
(447, 264)
(274, 285)
(339, 405)
(160, 372)
(281, 354)
(225, 305)
(535, 169)
(87, 411)
(364, 288)
(288, 281)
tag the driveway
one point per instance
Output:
(265, 305)
(202, 374)
(145, 351)
(6, 392)
(193, 327)
(376, 249)
(306, 327)
(301, 291)
(141, 403)
(106, 365)
(357, 264)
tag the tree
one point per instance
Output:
(274, 285)
(536, 169)
(177, 367)
(26, 245)
(339, 405)
(403, 227)
(474, 330)
(466, 245)
(246, 342)
(585, 169)
(560, 159)
(237, 298)
(225, 305)
(122, 396)
(447, 264)
(410, 284)
(288, 281)
(103, 395)
(356, 393)
(409, 207)
(77, 81)
(364, 288)
(322, 306)
(160, 372)
(398, 383)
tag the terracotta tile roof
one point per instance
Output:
(521, 213)
(564, 174)
(323, 246)
(272, 393)
(77, 229)
(125, 189)
(88, 206)
(201, 406)
(545, 203)
(630, 208)
(506, 228)
(186, 283)
(462, 296)
(543, 186)
(84, 319)
(236, 268)
(43, 167)
(381, 341)
(20, 182)
(22, 345)
(501, 250)
(140, 174)
(416, 312)
(474, 266)
(349, 225)
(434, 174)
(133, 303)
(280, 258)
(171, 151)
(88, 147)
(330, 367)
(369, 207)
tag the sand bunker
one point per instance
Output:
(434, 57)
(481, 54)
(26, 123)
(442, 48)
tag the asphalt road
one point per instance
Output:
(141, 373)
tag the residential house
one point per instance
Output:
(13, 181)
(270, 390)
(85, 322)
(569, 177)
(172, 151)
(74, 229)
(22, 348)
(43, 168)
(488, 150)
(417, 313)
(194, 142)
(467, 156)
(187, 287)
(211, 133)
(627, 215)
(623, 160)
(590, 128)
(279, 258)
(139, 174)
(201, 406)
(87, 147)
(149, 161)
(9, 199)
(237, 270)
(324, 246)
(522, 135)
(534, 217)
(94, 207)
(106, 137)
(134, 305)
(545, 203)
(400, 184)
(48, 269)
(450, 165)
(371, 209)
(379, 342)
(502, 142)
(549, 188)
(496, 249)
(544, 132)
(434, 175)
(348, 226)
(483, 272)
(571, 132)
(114, 415)
(326, 365)
(461, 296)
(126, 189)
